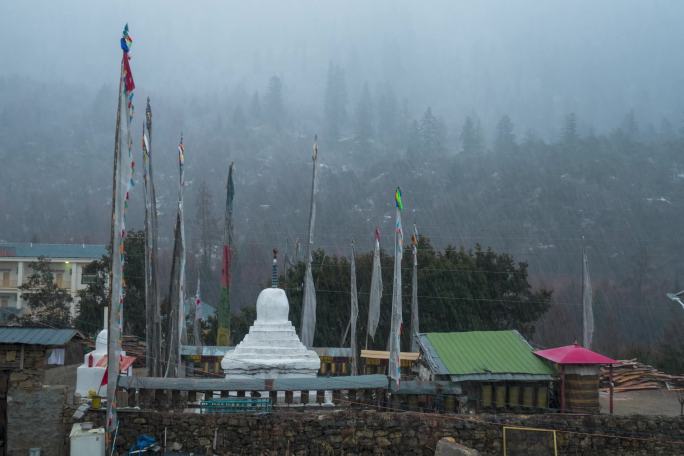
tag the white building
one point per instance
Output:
(67, 262)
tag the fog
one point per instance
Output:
(534, 60)
(400, 93)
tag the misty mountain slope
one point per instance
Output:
(620, 190)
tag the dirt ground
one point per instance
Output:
(647, 402)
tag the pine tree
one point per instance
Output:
(335, 103)
(471, 136)
(364, 115)
(570, 136)
(94, 297)
(275, 107)
(255, 109)
(505, 138)
(432, 134)
(388, 116)
(48, 303)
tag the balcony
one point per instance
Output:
(8, 283)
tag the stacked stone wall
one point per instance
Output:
(359, 432)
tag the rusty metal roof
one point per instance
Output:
(37, 336)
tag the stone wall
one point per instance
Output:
(34, 411)
(356, 431)
(34, 416)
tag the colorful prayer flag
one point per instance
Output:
(397, 199)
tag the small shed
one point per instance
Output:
(579, 371)
(335, 361)
(376, 361)
(45, 347)
(495, 369)
(203, 360)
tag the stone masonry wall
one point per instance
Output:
(34, 411)
(363, 432)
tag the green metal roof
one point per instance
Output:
(34, 250)
(36, 336)
(490, 353)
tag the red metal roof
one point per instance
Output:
(574, 354)
(124, 362)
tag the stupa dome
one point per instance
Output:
(272, 306)
(101, 341)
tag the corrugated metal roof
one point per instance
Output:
(34, 250)
(36, 336)
(483, 352)
(501, 377)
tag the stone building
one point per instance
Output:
(30, 411)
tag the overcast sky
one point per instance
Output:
(535, 60)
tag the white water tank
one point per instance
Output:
(86, 440)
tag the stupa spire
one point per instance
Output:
(274, 270)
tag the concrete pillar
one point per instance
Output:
(20, 280)
(72, 268)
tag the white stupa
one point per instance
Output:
(272, 348)
(89, 375)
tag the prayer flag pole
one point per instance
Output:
(223, 333)
(123, 182)
(394, 361)
(309, 302)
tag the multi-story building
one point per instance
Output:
(66, 263)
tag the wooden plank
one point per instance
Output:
(281, 384)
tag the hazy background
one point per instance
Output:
(609, 179)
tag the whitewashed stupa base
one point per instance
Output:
(272, 348)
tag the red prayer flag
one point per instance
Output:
(225, 267)
(128, 76)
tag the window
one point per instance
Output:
(58, 276)
(5, 278)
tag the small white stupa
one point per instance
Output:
(272, 348)
(89, 374)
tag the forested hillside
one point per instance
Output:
(540, 198)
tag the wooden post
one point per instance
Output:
(562, 392)
(273, 395)
(176, 399)
(337, 395)
(320, 396)
(360, 396)
(610, 386)
(288, 397)
(132, 397)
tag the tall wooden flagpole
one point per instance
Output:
(308, 330)
(152, 314)
(123, 181)
(223, 334)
